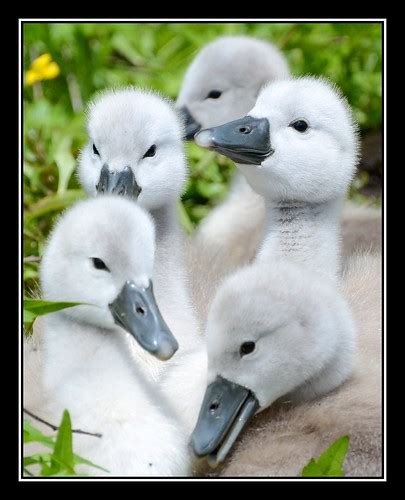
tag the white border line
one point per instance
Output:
(384, 351)
(216, 20)
(20, 229)
(384, 21)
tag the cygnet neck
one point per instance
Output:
(171, 277)
(304, 232)
(76, 342)
(167, 224)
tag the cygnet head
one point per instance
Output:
(101, 253)
(268, 333)
(223, 81)
(134, 148)
(299, 142)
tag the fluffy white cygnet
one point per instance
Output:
(221, 84)
(232, 232)
(101, 253)
(272, 332)
(224, 79)
(297, 148)
(135, 148)
(281, 440)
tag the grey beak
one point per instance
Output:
(224, 412)
(245, 141)
(192, 126)
(136, 311)
(122, 183)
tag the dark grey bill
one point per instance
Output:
(224, 412)
(245, 141)
(191, 125)
(136, 311)
(122, 183)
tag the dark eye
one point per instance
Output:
(299, 125)
(150, 152)
(247, 348)
(214, 94)
(99, 264)
(95, 150)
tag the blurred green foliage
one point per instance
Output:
(92, 57)
(60, 460)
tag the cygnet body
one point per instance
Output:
(217, 89)
(281, 440)
(92, 366)
(135, 148)
(297, 149)
(273, 332)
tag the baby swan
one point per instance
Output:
(282, 439)
(224, 79)
(101, 253)
(272, 332)
(222, 84)
(135, 148)
(298, 149)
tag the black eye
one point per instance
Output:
(95, 150)
(214, 94)
(299, 125)
(150, 152)
(247, 348)
(99, 264)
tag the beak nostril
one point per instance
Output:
(214, 406)
(140, 310)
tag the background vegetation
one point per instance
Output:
(91, 57)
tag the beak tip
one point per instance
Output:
(198, 450)
(167, 349)
(204, 138)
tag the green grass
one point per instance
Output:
(92, 57)
(60, 460)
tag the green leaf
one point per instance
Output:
(34, 308)
(330, 463)
(37, 458)
(80, 460)
(41, 307)
(29, 317)
(61, 462)
(52, 203)
(63, 450)
(65, 163)
(62, 456)
(32, 434)
(312, 469)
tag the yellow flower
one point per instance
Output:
(42, 68)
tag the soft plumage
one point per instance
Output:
(232, 232)
(282, 439)
(91, 365)
(302, 177)
(123, 126)
(275, 331)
